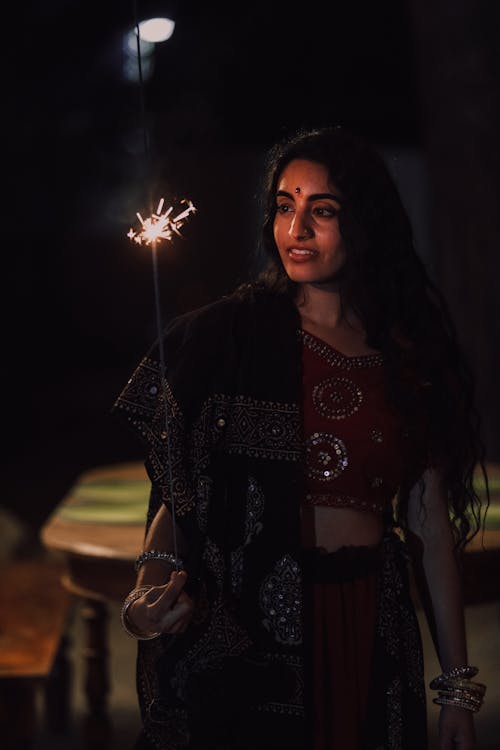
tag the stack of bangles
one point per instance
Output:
(455, 688)
(136, 593)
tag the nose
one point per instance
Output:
(299, 227)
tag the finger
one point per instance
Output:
(169, 593)
(154, 593)
(178, 612)
(179, 627)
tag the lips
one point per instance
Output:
(301, 254)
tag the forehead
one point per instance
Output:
(310, 176)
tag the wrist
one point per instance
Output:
(456, 689)
(160, 556)
(127, 625)
(154, 573)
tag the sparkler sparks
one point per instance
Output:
(160, 226)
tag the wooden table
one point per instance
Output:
(99, 528)
(35, 611)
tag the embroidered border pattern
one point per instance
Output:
(295, 704)
(337, 359)
(223, 638)
(149, 407)
(241, 424)
(344, 501)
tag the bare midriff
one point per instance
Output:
(331, 528)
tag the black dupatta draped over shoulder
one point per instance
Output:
(235, 679)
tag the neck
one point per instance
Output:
(322, 305)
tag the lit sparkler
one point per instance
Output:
(160, 226)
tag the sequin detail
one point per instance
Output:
(337, 398)
(280, 601)
(337, 359)
(326, 456)
(343, 501)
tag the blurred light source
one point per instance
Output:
(131, 45)
(156, 29)
(151, 32)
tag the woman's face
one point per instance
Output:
(306, 229)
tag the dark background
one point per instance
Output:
(418, 79)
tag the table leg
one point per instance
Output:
(97, 725)
(18, 713)
(57, 691)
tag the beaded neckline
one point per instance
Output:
(334, 357)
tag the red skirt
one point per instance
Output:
(340, 592)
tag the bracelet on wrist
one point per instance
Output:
(125, 622)
(455, 688)
(463, 671)
(458, 703)
(155, 554)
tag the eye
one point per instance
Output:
(283, 208)
(326, 211)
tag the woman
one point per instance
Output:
(314, 428)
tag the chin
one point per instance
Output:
(304, 276)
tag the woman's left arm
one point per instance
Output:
(438, 580)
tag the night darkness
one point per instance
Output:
(79, 307)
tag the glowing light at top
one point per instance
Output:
(156, 29)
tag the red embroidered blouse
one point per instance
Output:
(354, 441)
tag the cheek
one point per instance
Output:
(276, 233)
(337, 243)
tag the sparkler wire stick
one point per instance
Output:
(163, 381)
(158, 226)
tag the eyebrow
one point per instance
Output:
(312, 197)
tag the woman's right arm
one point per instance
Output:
(165, 608)
(160, 537)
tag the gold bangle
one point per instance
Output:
(457, 703)
(135, 594)
(463, 671)
(461, 695)
(474, 690)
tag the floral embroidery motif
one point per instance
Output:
(203, 494)
(337, 398)
(254, 510)
(253, 526)
(280, 600)
(326, 456)
(237, 570)
(214, 560)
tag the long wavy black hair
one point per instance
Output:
(404, 314)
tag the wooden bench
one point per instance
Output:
(34, 615)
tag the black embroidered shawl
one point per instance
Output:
(234, 464)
